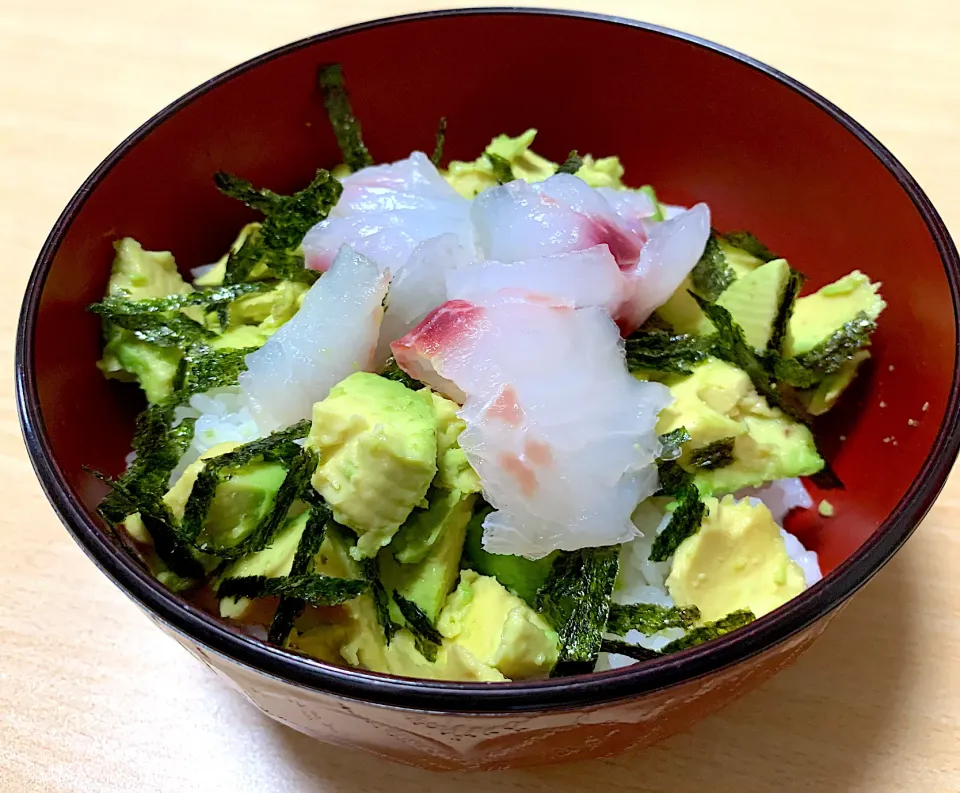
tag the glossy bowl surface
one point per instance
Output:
(700, 122)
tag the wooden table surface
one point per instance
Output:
(94, 698)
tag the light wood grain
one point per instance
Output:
(94, 698)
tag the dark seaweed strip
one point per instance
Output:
(665, 351)
(381, 600)
(630, 650)
(572, 164)
(115, 307)
(313, 588)
(826, 478)
(711, 275)
(437, 155)
(671, 475)
(502, 171)
(684, 522)
(788, 300)
(731, 346)
(745, 241)
(345, 125)
(575, 600)
(392, 371)
(711, 630)
(649, 618)
(718, 454)
(205, 368)
(425, 635)
(286, 220)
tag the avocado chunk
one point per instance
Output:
(497, 629)
(718, 401)
(377, 443)
(472, 178)
(754, 300)
(425, 562)
(518, 574)
(818, 316)
(138, 274)
(274, 561)
(454, 472)
(738, 560)
(239, 503)
(819, 399)
(742, 262)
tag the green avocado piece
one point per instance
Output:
(471, 178)
(215, 275)
(454, 472)
(742, 262)
(425, 563)
(274, 561)
(816, 317)
(239, 503)
(140, 274)
(718, 401)
(819, 399)
(753, 300)
(521, 576)
(377, 443)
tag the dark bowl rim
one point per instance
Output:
(442, 697)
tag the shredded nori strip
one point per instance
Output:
(204, 368)
(287, 219)
(711, 630)
(171, 329)
(634, 651)
(718, 454)
(116, 307)
(425, 635)
(711, 275)
(437, 155)
(290, 608)
(788, 300)
(502, 171)
(572, 164)
(314, 588)
(345, 125)
(575, 600)
(731, 346)
(745, 241)
(381, 600)
(684, 522)
(392, 371)
(671, 475)
(666, 351)
(277, 447)
(649, 618)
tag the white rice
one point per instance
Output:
(222, 416)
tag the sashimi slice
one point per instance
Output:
(419, 287)
(386, 211)
(579, 279)
(670, 253)
(518, 222)
(332, 335)
(562, 436)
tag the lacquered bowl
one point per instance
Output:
(699, 122)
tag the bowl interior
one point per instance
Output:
(698, 124)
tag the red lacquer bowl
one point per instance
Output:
(701, 123)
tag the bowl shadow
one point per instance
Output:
(815, 711)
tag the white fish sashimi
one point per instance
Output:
(579, 279)
(386, 211)
(670, 253)
(562, 436)
(333, 335)
(519, 222)
(420, 287)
